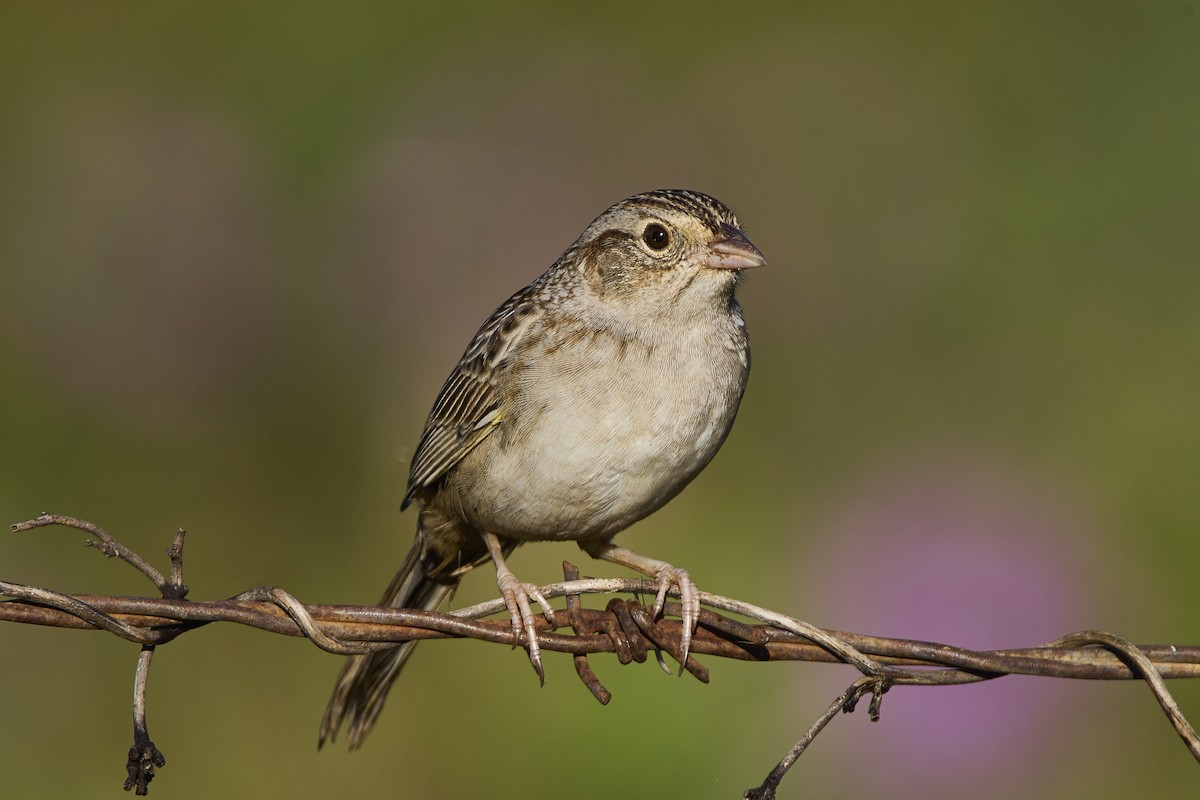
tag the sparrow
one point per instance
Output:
(585, 402)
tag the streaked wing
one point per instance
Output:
(469, 408)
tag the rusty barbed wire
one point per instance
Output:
(624, 628)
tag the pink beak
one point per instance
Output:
(733, 251)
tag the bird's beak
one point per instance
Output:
(732, 250)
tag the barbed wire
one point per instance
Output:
(624, 628)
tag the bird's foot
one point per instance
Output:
(667, 576)
(517, 596)
(689, 600)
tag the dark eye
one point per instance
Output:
(656, 237)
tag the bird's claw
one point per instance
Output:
(689, 600)
(517, 595)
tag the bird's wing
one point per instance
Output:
(469, 407)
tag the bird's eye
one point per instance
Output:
(656, 237)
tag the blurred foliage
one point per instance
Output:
(242, 244)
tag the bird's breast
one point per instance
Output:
(601, 430)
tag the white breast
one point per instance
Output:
(606, 432)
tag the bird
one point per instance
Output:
(585, 402)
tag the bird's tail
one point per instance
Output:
(426, 580)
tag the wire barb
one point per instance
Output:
(144, 757)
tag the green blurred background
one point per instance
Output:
(242, 245)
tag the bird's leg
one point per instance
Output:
(517, 595)
(666, 575)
